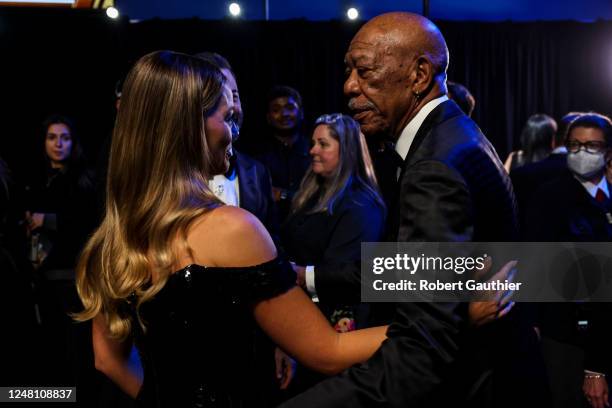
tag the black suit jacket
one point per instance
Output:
(452, 188)
(527, 179)
(562, 210)
(332, 243)
(255, 191)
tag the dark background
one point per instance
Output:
(67, 61)
(480, 10)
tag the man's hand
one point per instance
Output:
(285, 368)
(486, 311)
(34, 221)
(596, 391)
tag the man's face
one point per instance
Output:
(233, 86)
(284, 113)
(376, 84)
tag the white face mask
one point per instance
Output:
(585, 164)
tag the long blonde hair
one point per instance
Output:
(355, 169)
(156, 187)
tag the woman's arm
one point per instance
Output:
(111, 358)
(290, 319)
(297, 326)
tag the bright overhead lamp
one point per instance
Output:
(234, 9)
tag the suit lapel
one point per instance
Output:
(442, 112)
(246, 183)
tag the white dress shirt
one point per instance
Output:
(402, 146)
(226, 188)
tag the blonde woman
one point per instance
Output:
(184, 276)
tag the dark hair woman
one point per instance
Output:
(536, 141)
(59, 210)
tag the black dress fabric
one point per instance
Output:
(201, 347)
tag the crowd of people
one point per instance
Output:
(202, 275)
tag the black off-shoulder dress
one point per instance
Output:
(201, 346)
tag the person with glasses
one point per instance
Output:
(576, 207)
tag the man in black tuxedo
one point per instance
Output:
(452, 187)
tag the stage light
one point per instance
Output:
(352, 13)
(234, 9)
(112, 12)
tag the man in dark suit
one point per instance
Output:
(452, 187)
(576, 207)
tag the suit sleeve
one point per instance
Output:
(435, 204)
(541, 217)
(338, 276)
(271, 217)
(416, 365)
(598, 357)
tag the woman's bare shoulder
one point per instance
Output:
(230, 236)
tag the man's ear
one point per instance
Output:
(423, 75)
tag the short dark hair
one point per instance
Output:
(563, 126)
(216, 59)
(593, 120)
(283, 91)
(462, 97)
